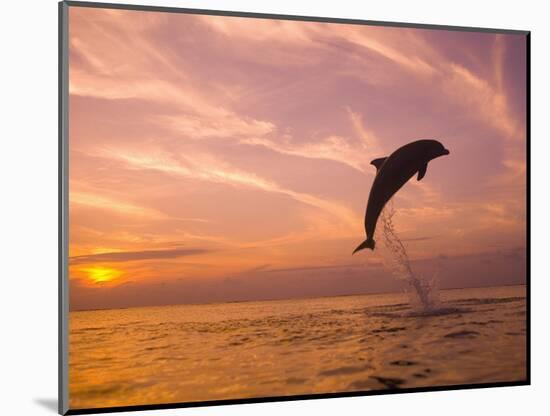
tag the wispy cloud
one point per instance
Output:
(355, 153)
(407, 60)
(103, 202)
(221, 124)
(207, 168)
(108, 203)
(310, 268)
(125, 256)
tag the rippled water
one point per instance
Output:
(273, 348)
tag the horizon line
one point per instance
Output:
(282, 299)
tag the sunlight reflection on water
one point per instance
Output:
(272, 348)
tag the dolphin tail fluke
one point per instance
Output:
(368, 243)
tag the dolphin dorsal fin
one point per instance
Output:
(422, 171)
(378, 162)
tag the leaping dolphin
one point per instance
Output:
(392, 173)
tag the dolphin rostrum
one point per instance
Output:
(392, 173)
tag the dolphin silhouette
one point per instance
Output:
(392, 173)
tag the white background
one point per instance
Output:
(28, 204)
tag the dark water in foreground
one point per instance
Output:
(257, 349)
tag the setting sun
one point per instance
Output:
(101, 274)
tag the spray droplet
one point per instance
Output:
(423, 292)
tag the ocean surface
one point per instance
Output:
(190, 353)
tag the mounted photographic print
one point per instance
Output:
(263, 207)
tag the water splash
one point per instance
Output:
(423, 292)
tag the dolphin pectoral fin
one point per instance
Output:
(422, 171)
(378, 162)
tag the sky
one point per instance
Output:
(225, 158)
